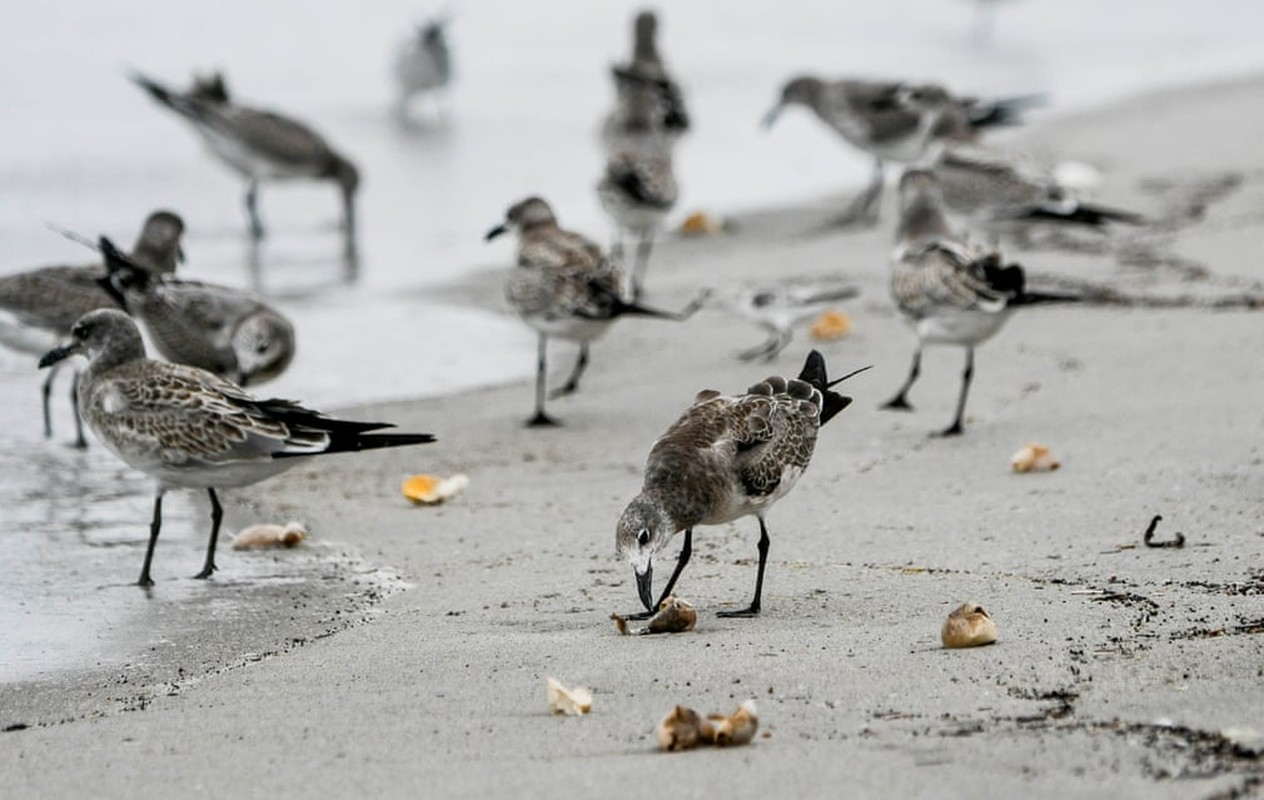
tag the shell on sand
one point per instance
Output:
(266, 535)
(968, 626)
(571, 702)
(830, 325)
(701, 223)
(683, 728)
(673, 616)
(1034, 457)
(431, 490)
(737, 728)
(679, 730)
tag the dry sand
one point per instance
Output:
(1121, 670)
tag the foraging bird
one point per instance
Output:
(190, 429)
(893, 121)
(726, 458)
(951, 291)
(778, 308)
(638, 190)
(423, 64)
(565, 287)
(223, 330)
(38, 307)
(259, 145)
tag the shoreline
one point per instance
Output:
(514, 578)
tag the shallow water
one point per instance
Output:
(84, 149)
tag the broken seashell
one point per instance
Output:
(679, 730)
(265, 535)
(968, 626)
(1035, 457)
(700, 223)
(571, 702)
(674, 616)
(737, 728)
(431, 490)
(830, 325)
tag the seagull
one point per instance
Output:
(637, 191)
(190, 429)
(950, 290)
(259, 145)
(893, 121)
(423, 64)
(38, 307)
(727, 457)
(779, 308)
(223, 330)
(564, 286)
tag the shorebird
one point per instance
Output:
(189, 429)
(727, 457)
(423, 64)
(649, 114)
(951, 291)
(259, 145)
(638, 190)
(38, 307)
(893, 121)
(223, 330)
(778, 308)
(565, 287)
(995, 190)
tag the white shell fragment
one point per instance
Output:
(683, 728)
(1034, 457)
(674, 616)
(267, 535)
(571, 702)
(968, 626)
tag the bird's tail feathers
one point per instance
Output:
(1090, 214)
(813, 372)
(1005, 111)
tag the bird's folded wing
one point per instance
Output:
(192, 418)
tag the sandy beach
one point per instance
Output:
(1121, 670)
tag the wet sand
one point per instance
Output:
(1121, 670)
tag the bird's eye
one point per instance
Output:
(262, 347)
(643, 538)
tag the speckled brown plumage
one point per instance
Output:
(726, 457)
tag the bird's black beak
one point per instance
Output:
(770, 117)
(58, 354)
(645, 587)
(496, 231)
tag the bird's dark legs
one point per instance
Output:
(541, 377)
(572, 383)
(155, 525)
(753, 608)
(778, 339)
(956, 428)
(900, 401)
(644, 246)
(686, 551)
(80, 442)
(46, 392)
(217, 514)
(864, 208)
(252, 209)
